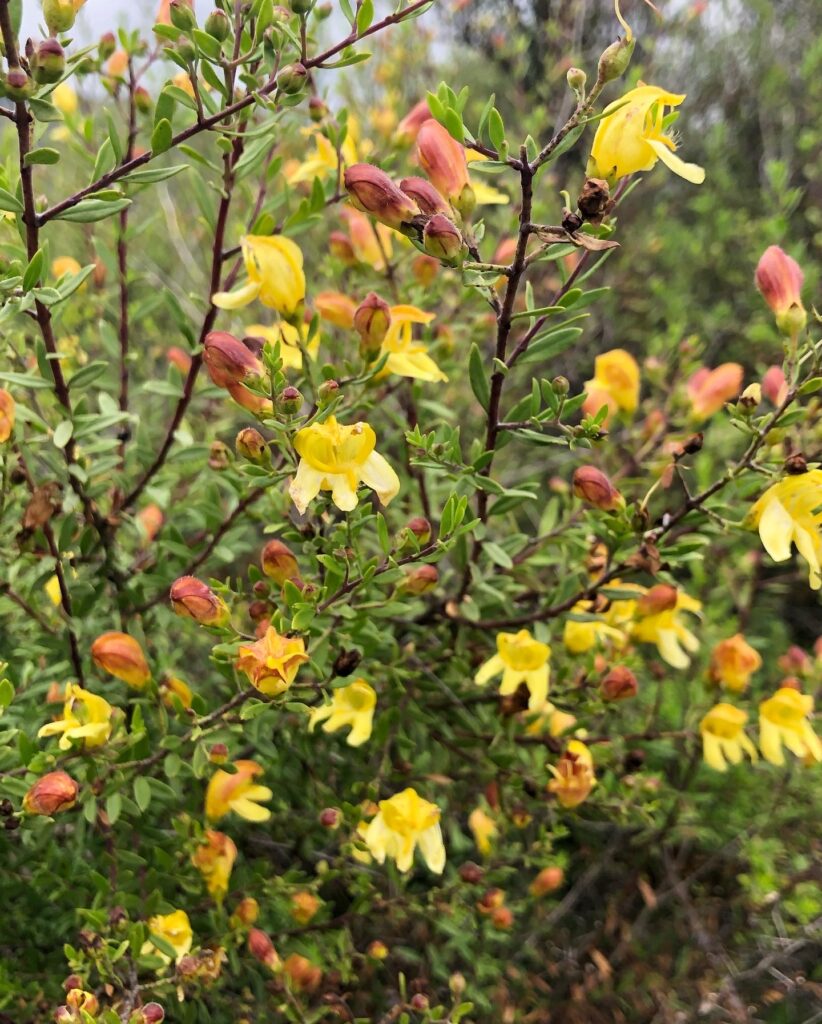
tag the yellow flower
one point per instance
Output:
(521, 659)
(325, 163)
(289, 338)
(214, 859)
(632, 136)
(787, 514)
(723, 737)
(350, 706)
(733, 662)
(664, 627)
(573, 776)
(171, 687)
(615, 383)
(580, 637)
(273, 662)
(64, 266)
(338, 458)
(484, 194)
(274, 265)
(783, 719)
(549, 718)
(64, 98)
(173, 928)
(403, 823)
(484, 829)
(407, 357)
(86, 720)
(237, 792)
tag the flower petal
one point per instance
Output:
(377, 474)
(690, 172)
(238, 298)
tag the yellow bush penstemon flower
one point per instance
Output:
(214, 859)
(520, 659)
(632, 135)
(338, 458)
(574, 776)
(86, 720)
(723, 737)
(274, 265)
(403, 823)
(484, 829)
(615, 383)
(173, 929)
(580, 637)
(237, 792)
(660, 623)
(273, 662)
(788, 513)
(406, 356)
(783, 721)
(352, 706)
(289, 338)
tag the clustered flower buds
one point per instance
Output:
(373, 192)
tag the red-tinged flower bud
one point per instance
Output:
(64, 1015)
(442, 239)
(250, 444)
(292, 79)
(408, 129)
(443, 160)
(779, 279)
(372, 318)
(219, 457)
(317, 109)
(218, 753)
(795, 661)
(339, 245)
(425, 196)
(121, 656)
(471, 873)
(660, 598)
(548, 880)
(142, 100)
(290, 401)
(72, 981)
(502, 918)
(193, 599)
(181, 15)
(774, 385)
(619, 684)
(258, 610)
(180, 358)
(331, 818)
(420, 1002)
(421, 529)
(51, 794)
(249, 400)
(425, 269)
(18, 84)
(327, 392)
(491, 900)
(262, 948)
(278, 562)
(217, 25)
(373, 192)
(77, 999)
(419, 580)
(377, 950)
(151, 1013)
(248, 910)
(592, 485)
(48, 62)
(106, 46)
(228, 360)
(7, 415)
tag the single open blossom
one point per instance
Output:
(484, 829)
(274, 265)
(723, 737)
(709, 390)
(733, 662)
(666, 629)
(121, 656)
(52, 793)
(615, 383)
(338, 458)
(574, 776)
(292, 341)
(783, 721)
(408, 357)
(86, 720)
(272, 663)
(7, 415)
(214, 859)
(350, 706)
(520, 659)
(325, 160)
(174, 929)
(403, 823)
(237, 792)
(788, 513)
(594, 631)
(631, 137)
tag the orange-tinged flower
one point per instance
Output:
(592, 485)
(151, 520)
(64, 266)
(615, 383)
(443, 160)
(7, 415)
(302, 973)
(709, 390)
(171, 687)
(237, 792)
(779, 279)
(783, 720)
(86, 720)
(573, 776)
(774, 385)
(278, 562)
(54, 792)
(372, 191)
(370, 244)
(733, 662)
(214, 859)
(304, 906)
(786, 514)
(262, 948)
(336, 308)
(121, 656)
(117, 64)
(409, 127)
(228, 360)
(483, 828)
(273, 662)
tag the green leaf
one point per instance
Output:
(478, 378)
(142, 792)
(496, 129)
(499, 556)
(87, 211)
(44, 111)
(365, 15)
(114, 807)
(10, 203)
(44, 155)
(62, 433)
(161, 137)
(149, 175)
(33, 270)
(6, 693)
(88, 374)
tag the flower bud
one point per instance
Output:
(377, 950)
(151, 1013)
(419, 580)
(251, 445)
(258, 610)
(615, 59)
(331, 818)
(548, 880)
(774, 385)
(59, 15)
(180, 359)
(7, 415)
(49, 62)
(121, 656)
(421, 529)
(751, 397)
(18, 84)
(443, 160)
(779, 279)
(218, 753)
(339, 245)
(290, 401)
(51, 794)
(442, 238)
(372, 318)
(302, 6)
(181, 15)
(425, 269)
(592, 485)
(304, 906)
(278, 562)
(619, 684)
(327, 392)
(142, 100)
(292, 79)
(594, 201)
(660, 598)
(106, 46)
(346, 663)
(248, 910)
(218, 25)
(373, 192)
(302, 973)
(174, 690)
(218, 456)
(77, 999)
(228, 360)
(72, 981)
(262, 948)
(419, 1002)
(576, 79)
(502, 918)
(193, 599)
(317, 109)
(491, 900)
(335, 307)
(471, 873)
(425, 196)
